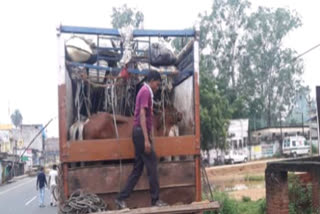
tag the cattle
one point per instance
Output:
(101, 125)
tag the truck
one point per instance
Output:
(295, 146)
(99, 73)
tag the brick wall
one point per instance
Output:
(315, 176)
(277, 192)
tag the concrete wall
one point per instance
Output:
(52, 150)
(6, 145)
(264, 150)
(26, 133)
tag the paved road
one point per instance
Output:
(21, 197)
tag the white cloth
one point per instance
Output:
(53, 174)
(52, 198)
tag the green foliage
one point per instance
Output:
(277, 155)
(254, 178)
(314, 149)
(124, 16)
(16, 118)
(300, 196)
(214, 114)
(265, 62)
(227, 205)
(253, 70)
(232, 206)
(245, 199)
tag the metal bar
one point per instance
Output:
(107, 58)
(198, 179)
(136, 33)
(62, 97)
(116, 70)
(197, 113)
(108, 49)
(65, 180)
(182, 76)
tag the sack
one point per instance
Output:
(78, 50)
(161, 55)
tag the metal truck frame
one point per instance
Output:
(93, 165)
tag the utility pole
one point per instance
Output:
(281, 133)
(302, 123)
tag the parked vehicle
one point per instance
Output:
(295, 146)
(236, 157)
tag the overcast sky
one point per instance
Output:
(28, 46)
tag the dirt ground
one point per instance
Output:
(232, 179)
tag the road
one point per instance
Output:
(21, 197)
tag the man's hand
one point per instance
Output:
(147, 146)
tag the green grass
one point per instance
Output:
(232, 206)
(254, 178)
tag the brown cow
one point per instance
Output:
(101, 125)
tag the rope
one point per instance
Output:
(81, 202)
(117, 135)
(163, 111)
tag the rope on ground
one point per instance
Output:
(81, 202)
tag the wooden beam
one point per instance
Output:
(112, 149)
(187, 208)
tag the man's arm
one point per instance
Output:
(49, 179)
(143, 122)
(56, 178)
(45, 180)
(37, 182)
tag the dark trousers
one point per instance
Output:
(141, 159)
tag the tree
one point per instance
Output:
(16, 118)
(269, 73)
(221, 45)
(222, 39)
(254, 71)
(214, 112)
(124, 16)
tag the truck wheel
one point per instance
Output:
(245, 160)
(232, 161)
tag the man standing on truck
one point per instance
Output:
(143, 143)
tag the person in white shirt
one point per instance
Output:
(53, 177)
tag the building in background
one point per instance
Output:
(266, 142)
(6, 144)
(22, 137)
(51, 152)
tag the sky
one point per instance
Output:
(28, 44)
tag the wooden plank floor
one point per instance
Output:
(186, 208)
